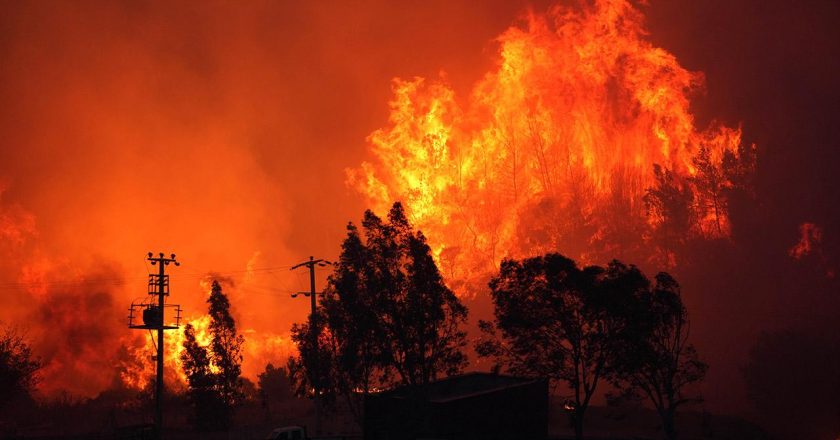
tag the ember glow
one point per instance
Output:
(244, 138)
(551, 148)
(83, 338)
(810, 236)
(259, 349)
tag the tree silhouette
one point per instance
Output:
(313, 368)
(225, 346)
(710, 185)
(739, 168)
(419, 316)
(351, 306)
(274, 387)
(562, 322)
(213, 373)
(670, 204)
(657, 359)
(202, 389)
(387, 316)
(18, 367)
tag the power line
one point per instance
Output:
(127, 279)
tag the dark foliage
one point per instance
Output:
(18, 367)
(274, 387)
(581, 326)
(386, 317)
(419, 316)
(225, 346)
(202, 384)
(709, 185)
(312, 370)
(670, 204)
(656, 359)
(213, 373)
(559, 321)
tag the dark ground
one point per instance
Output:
(254, 421)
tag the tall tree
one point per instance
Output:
(202, 384)
(388, 316)
(559, 321)
(214, 372)
(420, 316)
(669, 204)
(351, 307)
(313, 369)
(710, 185)
(658, 361)
(225, 346)
(18, 367)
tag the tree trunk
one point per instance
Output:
(668, 424)
(577, 418)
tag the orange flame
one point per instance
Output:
(258, 349)
(576, 113)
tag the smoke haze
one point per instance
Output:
(222, 133)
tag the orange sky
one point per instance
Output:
(217, 132)
(222, 133)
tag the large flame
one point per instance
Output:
(564, 130)
(259, 349)
(549, 151)
(73, 313)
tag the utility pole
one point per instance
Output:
(313, 322)
(311, 265)
(153, 319)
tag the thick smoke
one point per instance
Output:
(69, 311)
(221, 133)
(214, 131)
(80, 320)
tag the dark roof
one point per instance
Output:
(464, 386)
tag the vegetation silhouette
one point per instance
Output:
(685, 208)
(387, 317)
(202, 389)
(274, 389)
(669, 203)
(581, 326)
(657, 361)
(213, 373)
(18, 367)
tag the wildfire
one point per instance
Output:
(259, 349)
(139, 369)
(553, 149)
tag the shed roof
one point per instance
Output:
(464, 386)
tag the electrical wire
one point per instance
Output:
(119, 281)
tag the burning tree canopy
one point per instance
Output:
(557, 147)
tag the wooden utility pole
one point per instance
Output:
(313, 323)
(313, 316)
(153, 319)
